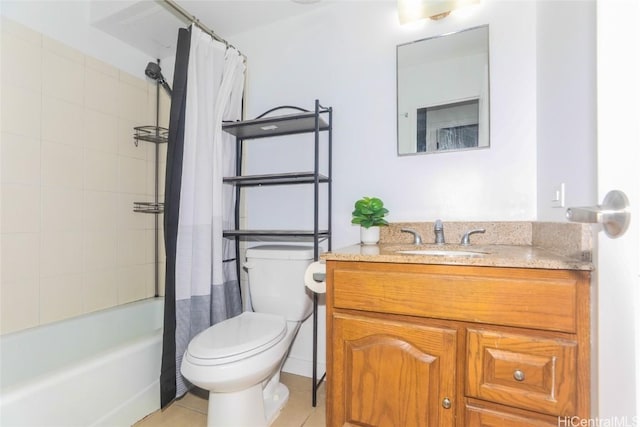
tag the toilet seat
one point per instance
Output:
(236, 338)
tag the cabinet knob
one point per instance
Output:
(446, 403)
(518, 375)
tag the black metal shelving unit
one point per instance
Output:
(316, 122)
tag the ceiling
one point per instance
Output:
(151, 26)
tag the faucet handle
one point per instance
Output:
(417, 240)
(465, 238)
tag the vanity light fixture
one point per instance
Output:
(414, 10)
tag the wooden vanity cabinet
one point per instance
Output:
(436, 345)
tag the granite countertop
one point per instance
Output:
(523, 244)
(522, 256)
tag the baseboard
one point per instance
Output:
(303, 367)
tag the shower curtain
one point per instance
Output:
(201, 280)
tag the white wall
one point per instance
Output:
(566, 93)
(344, 54)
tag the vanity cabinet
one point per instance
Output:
(442, 345)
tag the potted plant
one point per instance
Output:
(369, 213)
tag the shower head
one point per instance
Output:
(154, 72)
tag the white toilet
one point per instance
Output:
(239, 360)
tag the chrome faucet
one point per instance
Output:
(417, 240)
(465, 238)
(438, 229)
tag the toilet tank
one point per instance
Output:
(276, 280)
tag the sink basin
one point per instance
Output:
(443, 252)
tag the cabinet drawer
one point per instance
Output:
(538, 299)
(524, 371)
(485, 417)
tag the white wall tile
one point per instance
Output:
(20, 159)
(132, 102)
(138, 82)
(61, 165)
(101, 92)
(162, 269)
(19, 305)
(151, 179)
(100, 211)
(101, 66)
(100, 249)
(150, 245)
(100, 171)
(132, 283)
(61, 209)
(21, 62)
(100, 131)
(70, 173)
(132, 175)
(60, 253)
(127, 218)
(20, 208)
(162, 255)
(62, 50)
(62, 78)
(21, 111)
(100, 289)
(132, 247)
(126, 144)
(20, 256)
(62, 121)
(151, 280)
(60, 297)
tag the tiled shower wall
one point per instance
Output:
(70, 173)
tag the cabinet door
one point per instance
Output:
(392, 373)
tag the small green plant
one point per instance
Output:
(369, 212)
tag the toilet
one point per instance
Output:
(238, 360)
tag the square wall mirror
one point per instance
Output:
(443, 93)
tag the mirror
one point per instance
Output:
(443, 93)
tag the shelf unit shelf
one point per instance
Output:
(266, 126)
(276, 179)
(282, 233)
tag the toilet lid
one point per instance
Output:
(242, 334)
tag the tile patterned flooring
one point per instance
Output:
(191, 410)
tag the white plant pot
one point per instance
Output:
(370, 236)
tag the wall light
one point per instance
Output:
(413, 10)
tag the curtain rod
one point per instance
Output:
(176, 7)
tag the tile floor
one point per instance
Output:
(191, 410)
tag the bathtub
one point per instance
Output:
(99, 369)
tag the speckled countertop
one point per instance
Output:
(556, 246)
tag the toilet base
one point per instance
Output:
(274, 403)
(246, 408)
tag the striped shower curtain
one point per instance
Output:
(201, 281)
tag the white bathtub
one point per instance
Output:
(100, 369)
